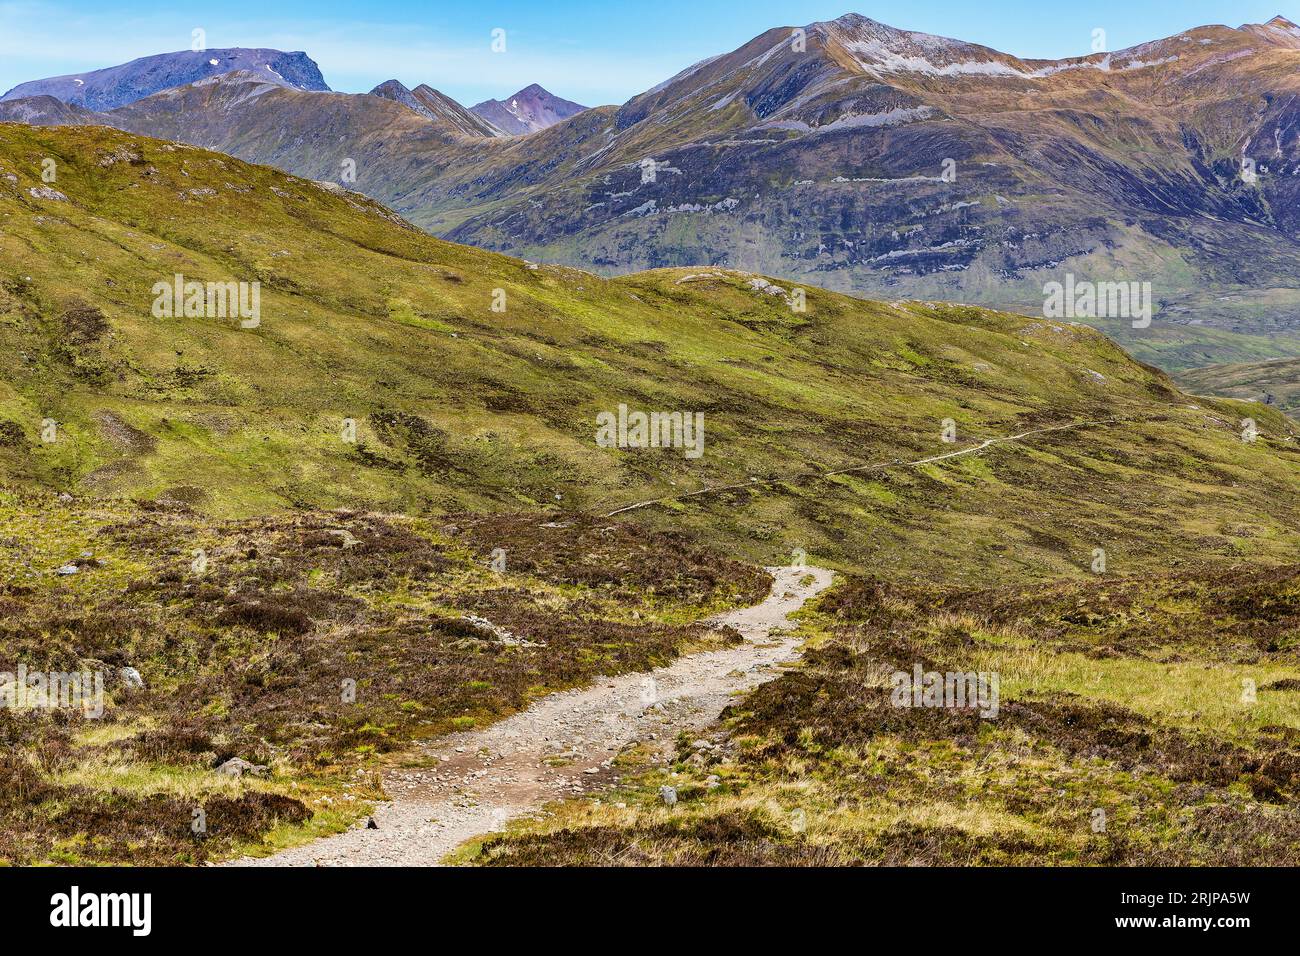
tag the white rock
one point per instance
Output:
(238, 766)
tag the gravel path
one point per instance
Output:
(480, 779)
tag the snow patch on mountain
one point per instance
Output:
(906, 253)
(874, 55)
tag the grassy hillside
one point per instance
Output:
(459, 407)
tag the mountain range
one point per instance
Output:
(845, 154)
(83, 96)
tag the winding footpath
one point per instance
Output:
(562, 745)
(872, 466)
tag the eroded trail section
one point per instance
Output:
(755, 483)
(562, 745)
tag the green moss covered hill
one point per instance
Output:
(460, 407)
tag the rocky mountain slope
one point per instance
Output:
(392, 370)
(529, 110)
(118, 85)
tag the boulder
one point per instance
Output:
(237, 767)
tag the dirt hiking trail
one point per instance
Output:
(755, 483)
(480, 779)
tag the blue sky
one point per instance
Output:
(592, 51)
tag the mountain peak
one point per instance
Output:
(877, 48)
(390, 87)
(531, 109)
(1283, 25)
(865, 26)
(1279, 31)
(858, 21)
